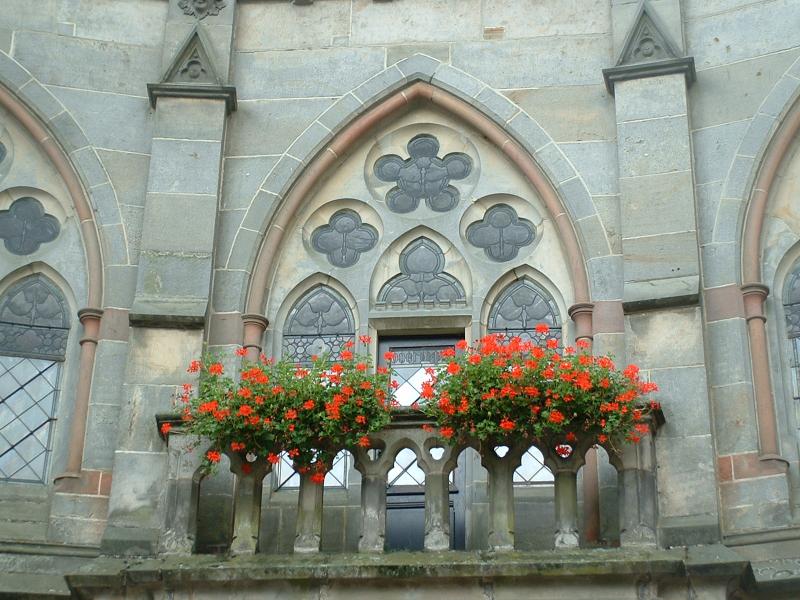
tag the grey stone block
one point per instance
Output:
(132, 218)
(780, 97)
(67, 132)
(708, 198)
(112, 121)
(652, 294)
(653, 336)
(757, 136)
(686, 476)
(12, 73)
(83, 532)
(750, 492)
(109, 369)
(81, 507)
(605, 277)
(727, 227)
(380, 85)
(142, 404)
(567, 60)
(681, 392)
(120, 285)
(650, 97)
(184, 167)
(596, 162)
(496, 105)
(570, 113)
(126, 69)
(660, 256)
(555, 164)
(41, 100)
(608, 211)
(115, 244)
(341, 112)
(304, 73)
(260, 210)
(654, 146)
(729, 340)
(765, 515)
(714, 149)
(457, 81)
(734, 418)
(593, 236)
(228, 226)
(688, 531)
(577, 199)
(173, 276)
(668, 195)
(163, 209)
(739, 178)
(104, 202)
(229, 288)
(89, 167)
(128, 174)
(269, 126)
(190, 118)
(242, 178)
(243, 251)
(310, 142)
(379, 22)
(736, 35)
(743, 84)
(720, 264)
(130, 541)
(281, 175)
(290, 27)
(419, 66)
(439, 52)
(528, 133)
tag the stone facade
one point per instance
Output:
(176, 174)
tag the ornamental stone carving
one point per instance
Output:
(319, 322)
(501, 233)
(201, 8)
(520, 307)
(25, 226)
(344, 238)
(422, 278)
(422, 176)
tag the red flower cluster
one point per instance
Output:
(510, 386)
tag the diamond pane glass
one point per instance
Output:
(288, 479)
(27, 411)
(409, 370)
(532, 470)
(405, 471)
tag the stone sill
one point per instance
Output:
(177, 571)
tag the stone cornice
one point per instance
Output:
(669, 66)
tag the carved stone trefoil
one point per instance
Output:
(422, 176)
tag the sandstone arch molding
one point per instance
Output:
(13, 81)
(753, 289)
(292, 181)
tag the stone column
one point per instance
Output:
(373, 499)
(501, 495)
(247, 501)
(437, 492)
(309, 515)
(191, 104)
(182, 494)
(649, 84)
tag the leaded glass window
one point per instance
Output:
(520, 307)
(33, 337)
(791, 308)
(531, 470)
(319, 322)
(286, 478)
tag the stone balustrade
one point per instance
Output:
(635, 465)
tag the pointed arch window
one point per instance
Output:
(34, 327)
(320, 321)
(520, 307)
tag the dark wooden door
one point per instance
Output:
(405, 492)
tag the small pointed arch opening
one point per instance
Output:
(319, 322)
(34, 327)
(522, 305)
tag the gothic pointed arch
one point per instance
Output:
(519, 307)
(291, 180)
